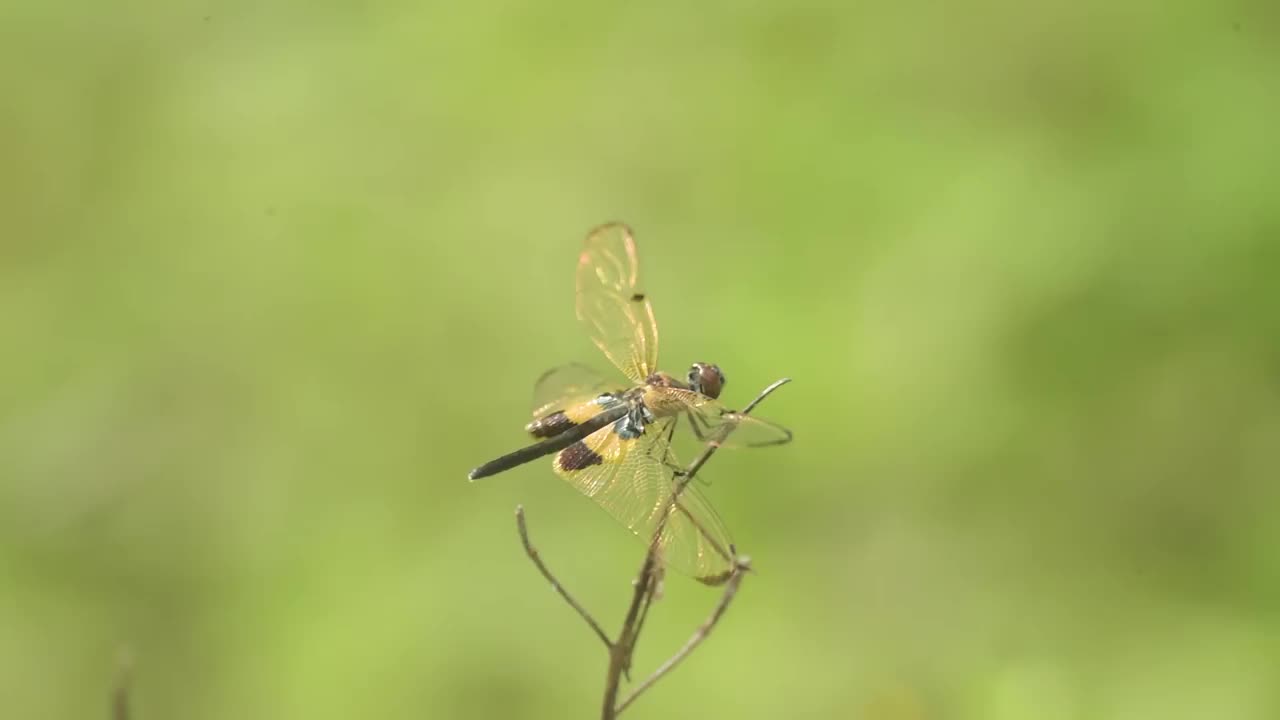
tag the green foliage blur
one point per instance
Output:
(274, 276)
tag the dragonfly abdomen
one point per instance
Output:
(554, 423)
(549, 425)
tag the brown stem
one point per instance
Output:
(620, 652)
(555, 584)
(124, 679)
(645, 585)
(730, 589)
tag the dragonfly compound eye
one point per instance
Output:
(707, 379)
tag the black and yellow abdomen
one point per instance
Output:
(557, 422)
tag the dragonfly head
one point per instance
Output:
(707, 379)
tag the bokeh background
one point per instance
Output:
(274, 276)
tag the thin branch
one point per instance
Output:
(764, 394)
(730, 590)
(124, 679)
(654, 593)
(620, 651)
(646, 586)
(555, 584)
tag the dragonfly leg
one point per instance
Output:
(694, 424)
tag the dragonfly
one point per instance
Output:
(613, 441)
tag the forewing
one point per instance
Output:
(611, 304)
(566, 385)
(712, 422)
(629, 479)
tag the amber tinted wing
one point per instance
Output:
(711, 421)
(629, 479)
(611, 304)
(566, 385)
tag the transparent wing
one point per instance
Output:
(633, 484)
(611, 305)
(566, 385)
(712, 422)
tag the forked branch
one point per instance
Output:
(645, 586)
(730, 590)
(555, 584)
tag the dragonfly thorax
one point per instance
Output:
(703, 378)
(638, 416)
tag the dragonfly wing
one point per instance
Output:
(631, 481)
(567, 385)
(712, 422)
(611, 304)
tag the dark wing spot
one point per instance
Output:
(638, 297)
(578, 457)
(549, 425)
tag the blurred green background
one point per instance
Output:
(274, 276)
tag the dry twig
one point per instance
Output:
(555, 584)
(730, 589)
(124, 680)
(645, 585)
